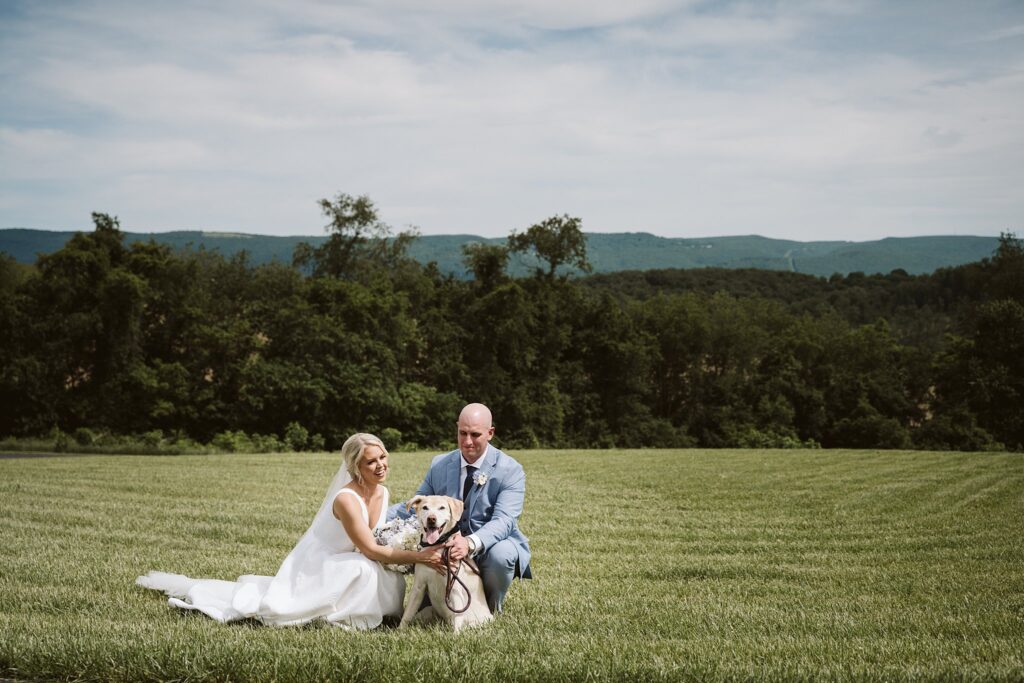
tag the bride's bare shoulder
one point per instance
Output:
(346, 501)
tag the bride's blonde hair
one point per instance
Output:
(352, 451)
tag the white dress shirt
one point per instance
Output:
(462, 483)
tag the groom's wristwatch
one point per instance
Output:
(472, 545)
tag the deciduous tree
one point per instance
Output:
(558, 241)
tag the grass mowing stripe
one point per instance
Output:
(662, 565)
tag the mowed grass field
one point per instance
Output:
(649, 565)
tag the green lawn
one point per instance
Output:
(692, 565)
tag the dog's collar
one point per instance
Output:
(444, 537)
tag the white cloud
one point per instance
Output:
(678, 118)
(543, 14)
(1005, 33)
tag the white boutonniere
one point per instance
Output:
(480, 478)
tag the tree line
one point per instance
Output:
(105, 339)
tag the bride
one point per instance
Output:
(333, 573)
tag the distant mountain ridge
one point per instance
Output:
(608, 252)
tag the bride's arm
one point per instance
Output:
(348, 511)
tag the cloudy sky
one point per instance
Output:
(833, 119)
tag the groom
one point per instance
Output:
(492, 485)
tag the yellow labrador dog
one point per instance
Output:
(438, 517)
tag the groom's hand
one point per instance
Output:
(459, 548)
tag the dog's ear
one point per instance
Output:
(457, 506)
(414, 502)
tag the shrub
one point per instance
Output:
(391, 437)
(959, 431)
(296, 437)
(316, 442)
(59, 439)
(755, 438)
(84, 436)
(232, 442)
(108, 440)
(151, 440)
(266, 443)
(870, 431)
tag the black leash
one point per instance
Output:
(451, 577)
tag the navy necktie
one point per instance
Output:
(469, 481)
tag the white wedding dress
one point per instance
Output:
(323, 577)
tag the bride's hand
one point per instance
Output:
(431, 557)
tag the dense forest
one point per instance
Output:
(103, 339)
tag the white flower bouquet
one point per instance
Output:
(403, 534)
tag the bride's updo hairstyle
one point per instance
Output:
(352, 451)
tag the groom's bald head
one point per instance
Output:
(475, 431)
(477, 412)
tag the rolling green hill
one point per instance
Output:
(607, 252)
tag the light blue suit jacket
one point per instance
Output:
(492, 510)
